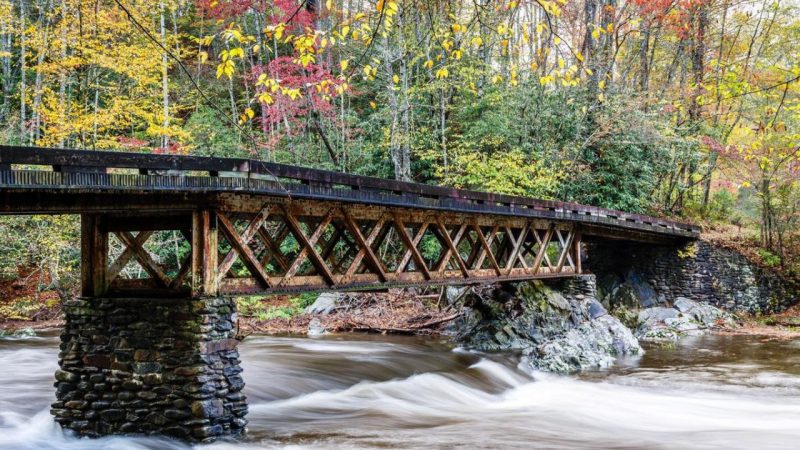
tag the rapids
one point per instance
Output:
(352, 391)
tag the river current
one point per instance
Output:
(353, 391)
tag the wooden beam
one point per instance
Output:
(365, 247)
(411, 248)
(143, 257)
(247, 236)
(308, 249)
(487, 250)
(125, 257)
(239, 245)
(452, 247)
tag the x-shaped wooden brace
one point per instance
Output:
(135, 245)
(486, 249)
(364, 247)
(516, 247)
(566, 244)
(411, 247)
(543, 243)
(240, 246)
(124, 258)
(273, 249)
(308, 249)
(452, 248)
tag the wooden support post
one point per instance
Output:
(577, 245)
(94, 256)
(205, 251)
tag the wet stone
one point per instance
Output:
(152, 366)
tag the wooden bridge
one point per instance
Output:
(256, 227)
(136, 360)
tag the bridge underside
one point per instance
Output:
(258, 245)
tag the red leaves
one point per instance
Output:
(294, 12)
(315, 82)
(677, 15)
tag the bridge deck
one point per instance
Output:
(257, 227)
(182, 181)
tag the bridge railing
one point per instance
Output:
(301, 179)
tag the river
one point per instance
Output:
(352, 391)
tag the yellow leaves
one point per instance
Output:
(275, 31)
(237, 52)
(601, 97)
(292, 93)
(226, 67)
(561, 63)
(395, 79)
(557, 40)
(456, 28)
(442, 73)
(477, 41)
(497, 79)
(329, 5)
(579, 56)
(233, 34)
(596, 33)
(390, 7)
(544, 81)
(369, 72)
(447, 45)
(345, 31)
(343, 64)
(602, 84)
(203, 56)
(745, 184)
(266, 97)
(502, 29)
(457, 54)
(342, 88)
(373, 105)
(428, 64)
(246, 115)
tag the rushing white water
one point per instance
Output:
(365, 392)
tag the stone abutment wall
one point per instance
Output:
(652, 275)
(150, 366)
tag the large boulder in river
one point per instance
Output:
(630, 291)
(685, 317)
(558, 328)
(326, 303)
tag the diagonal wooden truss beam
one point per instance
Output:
(411, 248)
(566, 249)
(542, 255)
(452, 250)
(308, 249)
(125, 257)
(365, 247)
(516, 246)
(243, 241)
(486, 249)
(240, 246)
(145, 260)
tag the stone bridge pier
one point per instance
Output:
(150, 366)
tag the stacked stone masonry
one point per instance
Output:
(700, 271)
(150, 366)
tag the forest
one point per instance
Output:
(686, 109)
